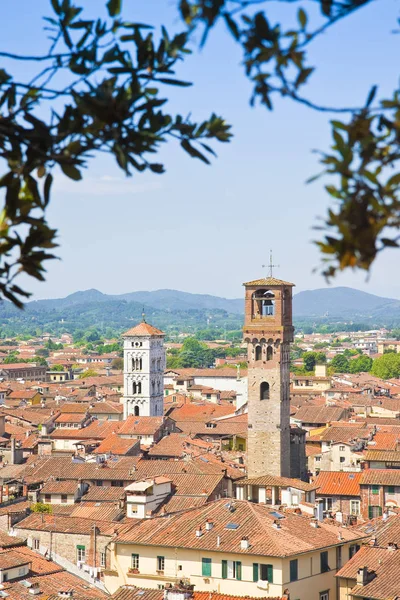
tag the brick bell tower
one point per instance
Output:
(268, 331)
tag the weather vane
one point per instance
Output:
(270, 266)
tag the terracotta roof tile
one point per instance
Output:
(143, 329)
(269, 281)
(253, 520)
(338, 483)
(380, 477)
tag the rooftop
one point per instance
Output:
(269, 281)
(142, 329)
(254, 521)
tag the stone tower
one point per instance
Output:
(144, 363)
(268, 331)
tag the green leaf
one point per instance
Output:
(56, 7)
(186, 145)
(371, 95)
(46, 188)
(232, 26)
(174, 81)
(303, 76)
(114, 7)
(302, 17)
(71, 172)
(394, 180)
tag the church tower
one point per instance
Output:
(268, 331)
(144, 363)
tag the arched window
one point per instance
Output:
(264, 303)
(134, 387)
(264, 391)
(139, 388)
(258, 352)
(136, 411)
(270, 353)
(140, 364)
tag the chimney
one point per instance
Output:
(392, 546)
(199, 531)
(364, 576)
(286, 595)
(218, 541)
(244, 543)
(34, 589)
(314, 523)
(276, 524)
(209, 525)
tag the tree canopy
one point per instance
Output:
(117, 74)
(386, 366)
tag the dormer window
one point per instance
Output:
(211, 425)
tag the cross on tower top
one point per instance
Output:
(270, 265)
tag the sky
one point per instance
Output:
(207, 229)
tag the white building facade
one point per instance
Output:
(144, 364)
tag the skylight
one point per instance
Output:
(277, 515)
(232, 526)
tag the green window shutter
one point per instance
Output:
(370, 512)
(391, 489)
(293, 570)
(238, 570)
(255, 571)
(206, 567)
(79, 547)
(375, 489)
(224, 569)
(270, 573)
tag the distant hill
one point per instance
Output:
(175, 311)
(161, 299)
(344, 303)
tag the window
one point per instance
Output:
(206, 567)
(374, 512)
(258, 352)
(318, 458)
(375, 489)
(264, 391)
(102, 559)
(342, 459)
(136, 411)
(231, 569)
(342, 448)
(294, 570)
(80, 553)
(47, 498)
(135, 561)
(21, 571)
(353, 549)
(117, 483)
(270, 353)
(208, 396)
(324, 562)
(266, 573)
(324, 595)
(355, 507)
(99, 483)
(160, 563)
(35, 544)
(64, 498)
(339, 557)
(391, 489)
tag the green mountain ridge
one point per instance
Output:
(175, 311)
